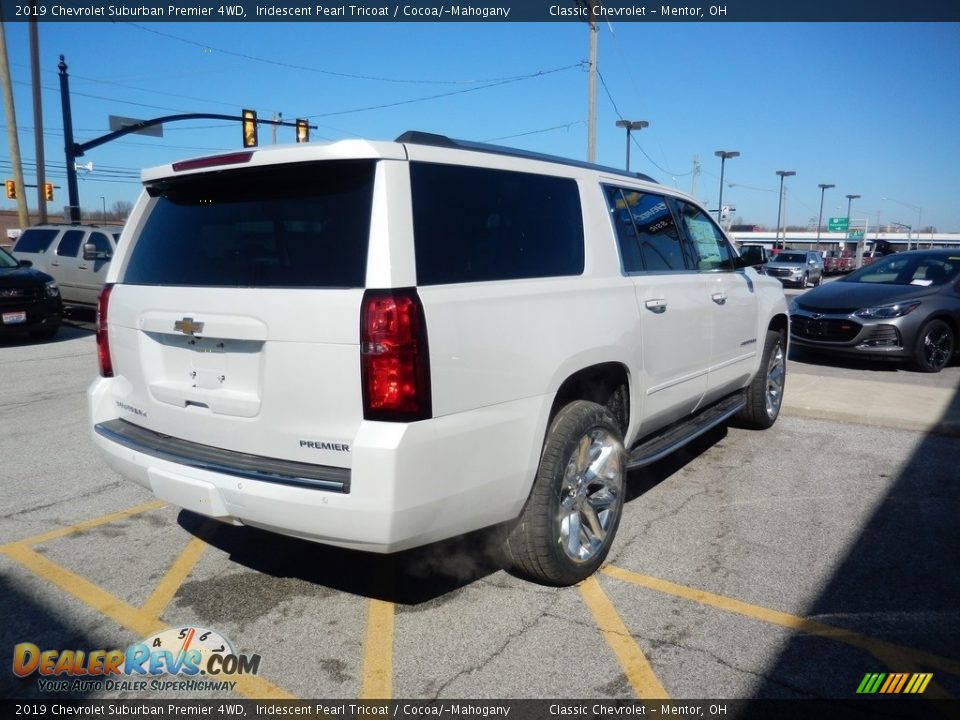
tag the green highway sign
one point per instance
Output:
(838, 224)
(855, 234)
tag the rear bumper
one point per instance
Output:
(409, 484)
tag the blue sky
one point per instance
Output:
(871, 108)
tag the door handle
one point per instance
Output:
(658, 306)
(719, 298)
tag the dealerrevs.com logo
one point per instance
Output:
(198, 659)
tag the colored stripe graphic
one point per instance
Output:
(894, 683)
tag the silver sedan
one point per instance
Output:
(903, 306)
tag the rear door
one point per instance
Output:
(64, 264)
(235, 317)
(670, 295)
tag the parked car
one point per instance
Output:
(796, 267)
(29, 299)
(378, 345)
(76, 256)
(869, 257)
(903, 306)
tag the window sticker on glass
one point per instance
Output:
(920, 281)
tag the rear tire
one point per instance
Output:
(764, 395)
(569, 522)
(934, 347)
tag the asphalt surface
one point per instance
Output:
(776, 564)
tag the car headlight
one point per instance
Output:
(885, 312)
(52, 289)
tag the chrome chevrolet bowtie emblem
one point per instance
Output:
(815, 316)
(188, 326)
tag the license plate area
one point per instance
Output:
(14, 318)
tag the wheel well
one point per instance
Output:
(778, 322)
(606, 384)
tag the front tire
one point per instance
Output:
(567, 527)
(764, 395)
(934, 348)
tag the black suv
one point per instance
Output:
(29, 299)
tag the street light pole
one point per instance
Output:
(823, 189)
(919, 218)
(850, 199)
(782, 174)
(723, 155)
(631, 125)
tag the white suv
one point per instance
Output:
(378, 345)
(76, 256)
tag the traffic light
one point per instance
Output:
(303, 131)
(48, 191)
(249, 128)
(11, 189)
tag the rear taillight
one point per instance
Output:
(394, 361)
(103, 343)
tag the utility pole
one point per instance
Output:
(592, 86)
(694, 171)
(37, 118)
(22, 215)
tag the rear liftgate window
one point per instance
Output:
(475, 224)
(304, 225)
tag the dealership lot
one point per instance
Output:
(787, 563)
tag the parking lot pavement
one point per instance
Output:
(785, 563)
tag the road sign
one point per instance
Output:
(855, 234)
(838, 224)
(118, 123)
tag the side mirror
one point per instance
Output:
(25, 263)
(752, 256)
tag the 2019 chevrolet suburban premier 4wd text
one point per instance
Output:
(378, 345)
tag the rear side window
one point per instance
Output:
(70, 243)
(304, 225)
(476, 224)
(35, 241)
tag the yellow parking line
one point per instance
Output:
(97, 598)
(123, 613)
(636, 667)
(87, 524)
(376, 674)
(173, 579)
(775, 617)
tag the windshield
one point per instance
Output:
(791, 258)
(7, 260)
(913, 269)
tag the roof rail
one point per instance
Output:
(417, 137)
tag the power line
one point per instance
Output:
(411, 101)
(536, 132)
(634, 137)
(322, 71)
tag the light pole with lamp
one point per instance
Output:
(631, 125)
(919, 218)
(782, 174)
(724, 155)
(850, 199)
(823, 191)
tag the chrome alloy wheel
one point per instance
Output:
(591, 494)
(776, 371)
